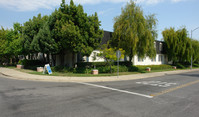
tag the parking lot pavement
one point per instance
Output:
(177, 97)
(152, 86)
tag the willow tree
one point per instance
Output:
(182, 36)
(135, 33)
(178, 45)
(171, 39)
(195, 47)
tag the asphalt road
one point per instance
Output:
(166, 96)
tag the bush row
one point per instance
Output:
(101, 64)
(106, 69)
(31, 64)
(154, 67)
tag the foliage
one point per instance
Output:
(101, 64)
(61, 69)
(43, 42)
(179, 45)
(195, 46)
(134, 33)
(27, 63)
(72, 29)
(154, 67)
(10, 43)
(30, 31)
(109, 54)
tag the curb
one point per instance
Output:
(24, 76)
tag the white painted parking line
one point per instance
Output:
(113, 89)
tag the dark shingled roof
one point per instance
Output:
(107, 37)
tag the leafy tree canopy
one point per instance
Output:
(74, 30)
(135, 33)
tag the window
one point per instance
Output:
(87, 59)
(162, 58)
(153, 59)
(159, 58)
(154, 44)
(160, 47)
(140, 59)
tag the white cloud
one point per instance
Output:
(29, 5)
(105, 11)
(175, 1)
(32, 5)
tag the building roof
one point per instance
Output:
(107, 36)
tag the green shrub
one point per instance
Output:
(62, 69)
(106, 69)
(180, 66)
(133, 69)
(195, 65)
(154, 67)
(26, 62)
(124, 63)
(82, 70)
(31, 64)
(91, 64)
(102, 64)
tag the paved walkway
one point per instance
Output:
(15, 74)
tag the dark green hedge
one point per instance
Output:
(31, 64)
(154, 67)
(101, 64)
(106, 68)
(62, 69)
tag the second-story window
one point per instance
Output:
(160, 47)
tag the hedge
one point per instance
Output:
(101, 64)
(31, 64)
(154, 67)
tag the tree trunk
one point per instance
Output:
(62, 58)
(44, 60)
(130, 58)
(11, 60)
(48, 60)
(73, 59)
(110, 69)
(54, 59)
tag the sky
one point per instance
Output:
(170, 13)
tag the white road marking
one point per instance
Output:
(156, 83)
(113, 89)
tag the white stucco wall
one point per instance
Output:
(90, 58)
(148, 61)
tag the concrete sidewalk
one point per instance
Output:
(14, 74)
